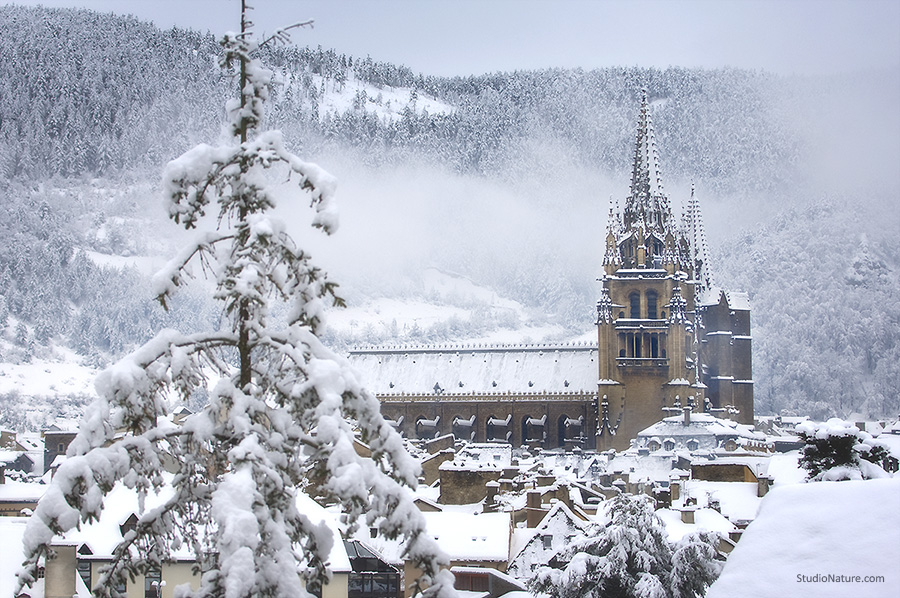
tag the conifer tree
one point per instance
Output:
(282, 411)
(631, 558)
(837, 450)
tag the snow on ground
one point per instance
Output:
(406, 313)
(807, 533)
(784, 468)
(66, 376)
(461, 290)
(387, 103)
(146, 265)
(443, 298)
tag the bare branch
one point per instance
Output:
(281, 36)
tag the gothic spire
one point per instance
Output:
(647, 206)
(699, 249)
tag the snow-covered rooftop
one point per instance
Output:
(701, 424)
(849, 528)
(470, 537)
(705, 519)
(449, 369)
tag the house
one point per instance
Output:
(18, 499)
(485, 582)
(536, 546)
(83, 553)
(57, 439)
(7, 438)
(694, 432)
(469, 539)
(370, 576)
(16, 461)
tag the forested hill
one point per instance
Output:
(503, 177)
(88, 92)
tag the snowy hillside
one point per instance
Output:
(446, 308)
(386, 103)
(502, 179)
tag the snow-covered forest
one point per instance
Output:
(502, 180)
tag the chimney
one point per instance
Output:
(534, 511)
(687, 416)
(687, 515)
(762, 485)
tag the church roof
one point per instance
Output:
(453, 370)
(738, 300)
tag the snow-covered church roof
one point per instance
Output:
(448, 369)
(736, 299)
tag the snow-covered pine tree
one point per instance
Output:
(631, 558)
(281, 413)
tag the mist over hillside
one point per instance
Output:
(501, 183)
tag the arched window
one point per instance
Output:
(651, 305)
(635, 300)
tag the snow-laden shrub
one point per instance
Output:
(837, 450)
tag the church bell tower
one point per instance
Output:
(655, 349)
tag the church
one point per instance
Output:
(668, 340)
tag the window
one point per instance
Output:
(651, 305)
(373, 585)
(153, 584)
(693, 445)
(635, 301)
(669, 445)
(84, 570)
(547, 539)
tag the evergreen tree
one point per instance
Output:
(837, 450)
(280, 418)
(631, 558)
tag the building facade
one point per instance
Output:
(667, 339)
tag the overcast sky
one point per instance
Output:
(463, 37)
